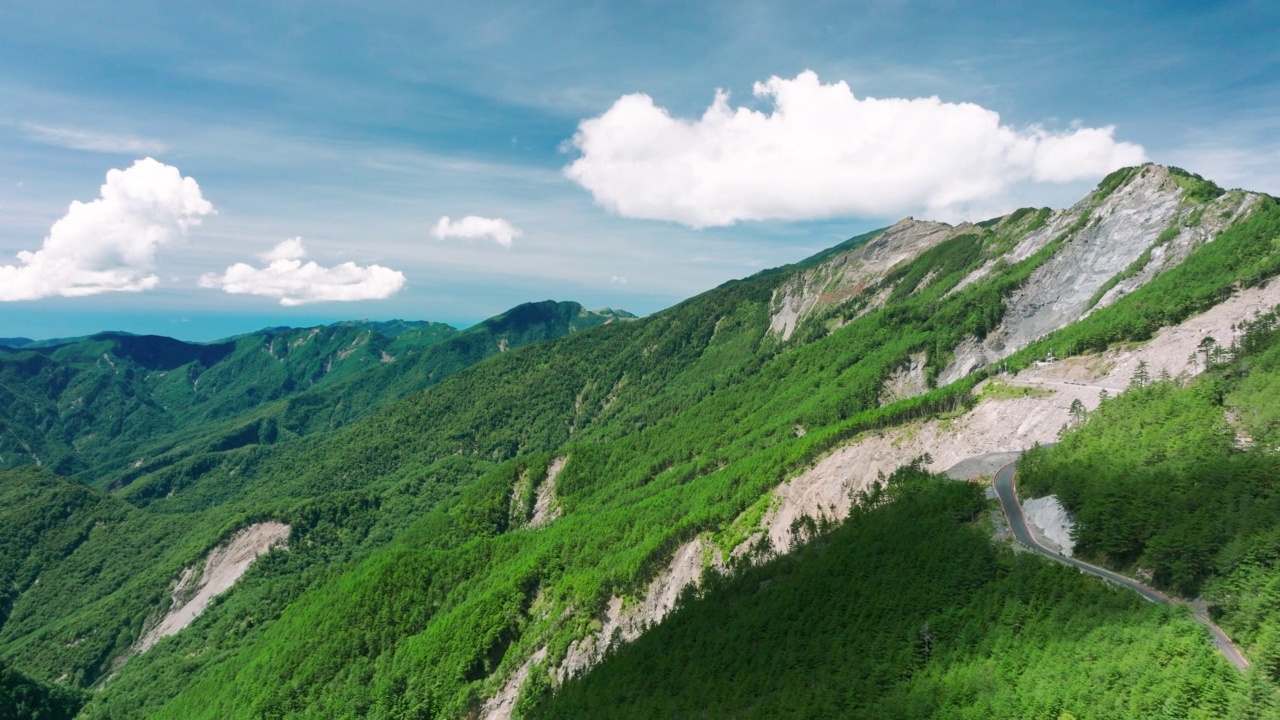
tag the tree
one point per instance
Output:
(1141, 377)
(1207, 348)
(1077, 411)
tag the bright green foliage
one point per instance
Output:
(908, 611)
(413, 584)
(1196, 188)
(1159, 481)
(1255, 382)
(1112, 182)
(1154, 482)
(673, 426)
(66, 552)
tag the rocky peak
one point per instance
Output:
(1137, 223)
(848, 274)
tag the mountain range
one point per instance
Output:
(733, 507)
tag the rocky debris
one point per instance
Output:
(906, 381)
(1172, 351)
(999, 425)
(224, 565)
(849, 274)
(545, 507)
(1107, 239)
(1050, 523)
(499, 706)
(825, 491)
(1209, 221)
(972, 445)
(624, 622)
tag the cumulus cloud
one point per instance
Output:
(821, 152)
(109, 244)
(295, 283)
(472, 226)
(77, 139)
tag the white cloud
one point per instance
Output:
(92, 141)
(295, 283)
(472, 227)
(821, 152)
(618, 279)
(109, 244)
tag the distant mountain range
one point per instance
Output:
(73, 404)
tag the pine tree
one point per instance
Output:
(1077, 411)
(1207, 348)
(1141, 377)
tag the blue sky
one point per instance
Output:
(358, 129)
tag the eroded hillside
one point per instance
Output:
(498, 532)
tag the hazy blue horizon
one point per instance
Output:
(450, 162)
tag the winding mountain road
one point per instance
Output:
(1007, 491)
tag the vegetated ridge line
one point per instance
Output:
(1007, 491)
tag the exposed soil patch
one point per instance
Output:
(545, 507)
(907, 381)
(624, 622)
(499, 706)
(1001, 424)
(225, 564)
(849, 274)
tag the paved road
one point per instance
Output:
(1006, 489)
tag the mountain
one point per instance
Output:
(89, 405)
(511, 521)
(1172, 481)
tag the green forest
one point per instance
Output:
(1181, 483)
(907, 610)
(415, 583)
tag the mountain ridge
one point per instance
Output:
(674, 437)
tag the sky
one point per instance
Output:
(200, 172)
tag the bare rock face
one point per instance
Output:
(224, 565)
(1111, 246)
(623, 622)
(1144, 226)
(533, 502)
(500, 706)
(1001, 423)
(907, 381)
(849, 274)
(545, 507)
(1051, 523)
